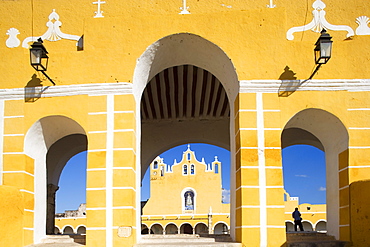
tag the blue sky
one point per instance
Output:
(303, 169)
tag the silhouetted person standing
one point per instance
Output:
(297, 220)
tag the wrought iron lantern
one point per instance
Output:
(323, 48)
(39, 58)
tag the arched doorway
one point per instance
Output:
(171, 228)
(307, 226)
(68, 230)
(320, 226)
(144, 229)
(289, 226)
(156, 229)
(186, 228)
(51, 142)
(323, 130)
(201, 228)
(185, 98)
(221, 228)
(81, 230)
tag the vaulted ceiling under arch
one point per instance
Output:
(184, 91)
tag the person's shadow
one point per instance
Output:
(34, 89)
(289, 82)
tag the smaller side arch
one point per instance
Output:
(307, 225)
(186, 228)
(144, 229)
(201, 228)
(156, 228)
(289, 225)
(81, 229)
(320, 226)
(57, 230)
(68, 229)
(221, 227)
(171, 228)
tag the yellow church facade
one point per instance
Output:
(186, 198)
(135, 78)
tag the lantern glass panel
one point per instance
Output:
(35, 56)
(39, 60)
(325, 48)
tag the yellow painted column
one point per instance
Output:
(270, 109)
(354, 172)
(259, 188)
(111, 173)
(18, 168)
(124, 171)
(344, 201)
(96, 172)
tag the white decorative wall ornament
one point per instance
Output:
(363, 28)
(99, 13)
(53, 33)
(12, 41)
(184, 8)
(271, 5)
(319, 22)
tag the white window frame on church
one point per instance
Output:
(192, 169)
(183, 200)
(183, 170)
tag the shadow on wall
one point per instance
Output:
(289, 82)
(34, 89)
(360, 212)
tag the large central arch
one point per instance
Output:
(184, 52)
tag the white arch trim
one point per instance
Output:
(220, 222)
(319, 221)
(333, 135)
(65, 226)
(81, 225)
(198, 223)
(38, 139)
(55, 226)
(183, 223)
(156, 223)
(179, 49)
(185, 48)
(171, 223)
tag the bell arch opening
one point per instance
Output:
(325, 131)
(51, 142)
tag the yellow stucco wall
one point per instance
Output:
(13, 217)
(254, 39)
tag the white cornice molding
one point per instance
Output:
(279, 86)
(246, 86)
(67, 90)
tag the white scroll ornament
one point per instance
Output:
(363, 28)
(12, 41)
(53, 33)
(319, 23)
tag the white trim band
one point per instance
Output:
(24, 172)
(274, 86)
